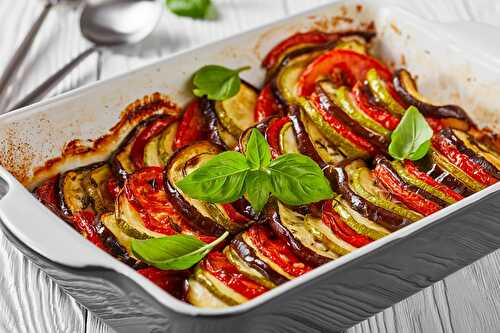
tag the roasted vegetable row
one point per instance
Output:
(325, 97)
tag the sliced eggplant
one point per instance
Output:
(386, 218)
(442, 175)
(73, 195)
(96, 186)
(290, 226)
(489, 154)
(199, 295)
(217, 134)
(130, 220)
(406, 88)
(342, 97)
(237, 113)
(382, 94)
(209, 218)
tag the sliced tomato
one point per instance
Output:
(340, 127)
(276, 250)
(149, 132)
(462, 161)
(113, 187)
(311, 37)
(266, 104)
(374, 111)
(192, 126)
(144, 190)
(84, 223)
(411, 199)
(219, 266)
(234, 215)
(170, 281)
(273, 135)
(353, 66)
(333, 220)
(48, 195)
(415, 172)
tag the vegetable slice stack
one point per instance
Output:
(325, 97)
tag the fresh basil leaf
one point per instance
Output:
(411, 138)
(189, 8)
(257, 151)
(258, 188)
(174, 252)
(217, 82)
(219, 180)
(296, 180)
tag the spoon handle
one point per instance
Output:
(22, 50)
(43, 89)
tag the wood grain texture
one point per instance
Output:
(467, 301)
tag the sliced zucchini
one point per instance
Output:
(344, 145)
(287, 79)
(380, 92)
(237, 113)
(455, 171)
(363, 183)
(200, 296)
(95, 185)
(217, 288)
(288, 142)
(353, 43)
(110, 222)
(344, 100)
(130, 221)
(158, 149)
(325, 235)
(294, 222)
(245, 269)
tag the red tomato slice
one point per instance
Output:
(48, 195)
(340, 228)
(113, 187)
(352, 64)
(415, 172)
(411, 199)
(266, 104)
(217, 264)
(273, 135)
(170, 281)
(192, 126)
(144, 190)
(462, 161)
(374, 111)
(152, 130)
(234, 215)
(311, 37)
(84, 222)
(276, 250)
(340, 127)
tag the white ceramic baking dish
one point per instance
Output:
(455, 63)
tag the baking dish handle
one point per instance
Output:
(40, 229)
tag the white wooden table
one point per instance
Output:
(467, 301)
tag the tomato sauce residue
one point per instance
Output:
(219, 266)
(276, 250)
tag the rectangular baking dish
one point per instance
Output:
(456, 63)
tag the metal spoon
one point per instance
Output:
(105, 23)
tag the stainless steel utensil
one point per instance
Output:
(104, 23)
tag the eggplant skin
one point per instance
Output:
(192, 215)
(386, 164)
(429, 110)
(449, 180)
(338, 176)
(248, 255)
(208, 109)
(304, 143)
(448, 134)
(377, 140)
(273, 219)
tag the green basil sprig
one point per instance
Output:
(294, 179)
(217, 82)
(176, 252)
(412, 137)
(189, 8)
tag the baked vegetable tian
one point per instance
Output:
(247, 189)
